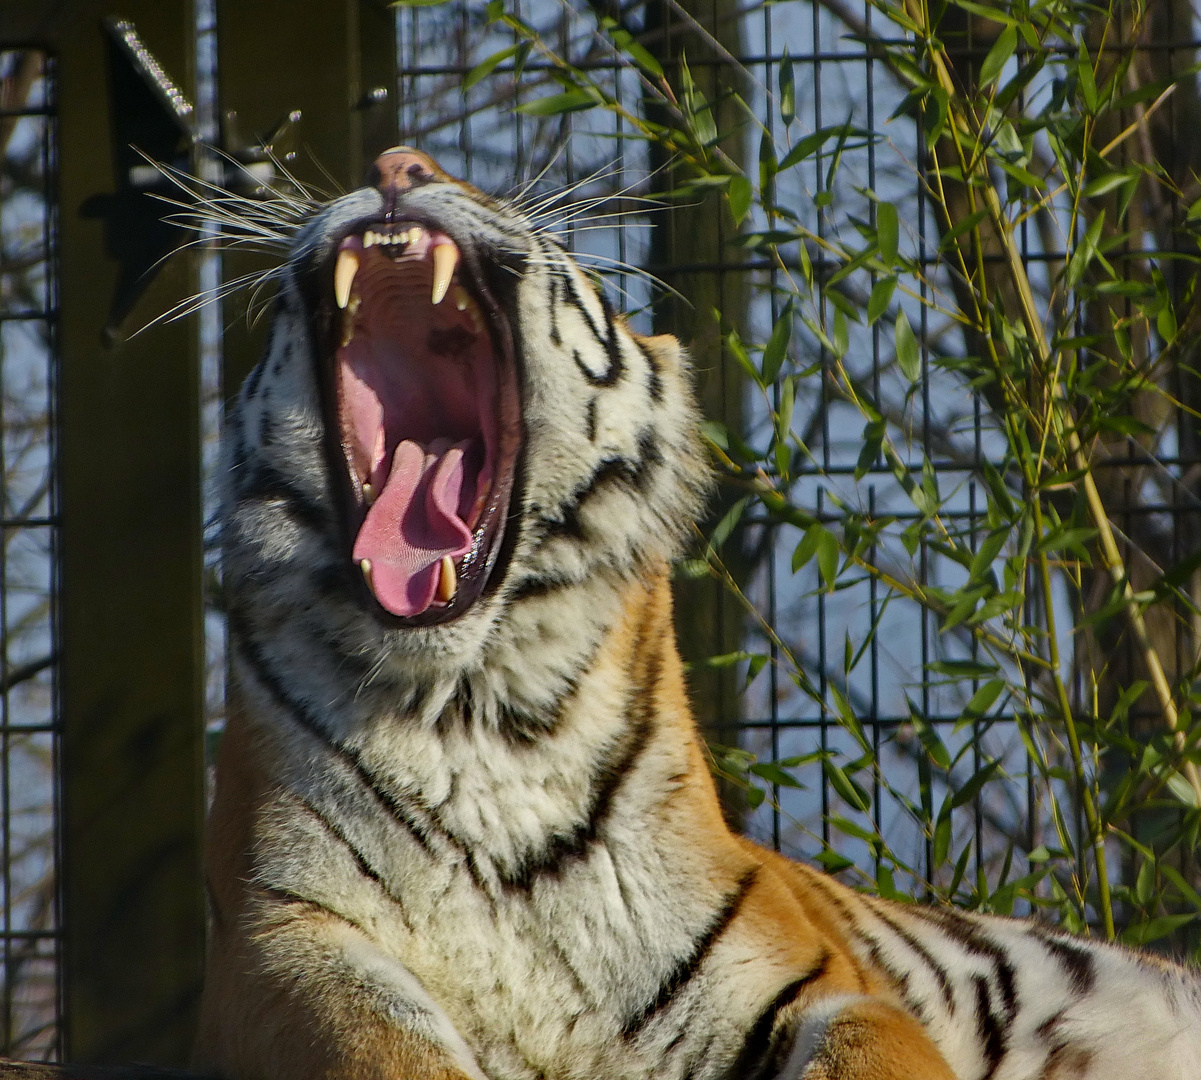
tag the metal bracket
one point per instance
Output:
(154, 134)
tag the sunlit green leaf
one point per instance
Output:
(880, 298)
(998, 56)
(567, 102)
(1085, 251)
(977, 781)
(887, 232)
(777, 345)
(740, 193)
(850, 792)
(908, 357)
(485, 67)
(1154, 929)
(787, 89)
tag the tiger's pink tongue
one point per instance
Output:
(412, 524)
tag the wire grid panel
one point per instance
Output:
(29, 715)
(598, 169)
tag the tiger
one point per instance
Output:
(464, 826)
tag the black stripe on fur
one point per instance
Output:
(261, 482)
(563, 848)
(941, 976)
(241, 636)
(989, 1027)
(687, 966)
(898, 979)
(654, 380)
(612, 471)
(1075, 959)
(764, 1046)
(360, 860)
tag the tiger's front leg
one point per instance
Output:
(861, 1038)
(305, 995)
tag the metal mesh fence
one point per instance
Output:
(597, 171)
(29, 720)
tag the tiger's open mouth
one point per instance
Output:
(425, 408)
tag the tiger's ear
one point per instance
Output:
(667, 351)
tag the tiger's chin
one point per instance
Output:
(421, 395)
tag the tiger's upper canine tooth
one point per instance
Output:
(448, 582)
(446, 258)
(369, 494)
(344, 272)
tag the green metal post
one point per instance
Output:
(132, 654)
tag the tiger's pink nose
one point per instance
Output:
(401, 168)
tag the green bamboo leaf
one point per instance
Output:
(908, 357)
(880, 298)
(741, 194)
(738, 351)
(849, 828)
(990, 548)
(1106, 183)
(960, 227)
(1182, 789)
(726, 660)
(850, 792)
(730, 519)
(1142, 933)
(873, 439)
(831, 861)
(485, 67)
(777, 345)
(810, 144)
(1085, 81)
(962, 669)
(942, 834)
(977, 780)
(626, 41)
(1084, 254)
(982, 700)
(787, 89)
(934, 746)
(960, 868)
(697, 107)
(807, 548)
(887, 232)
(784, 412)
(773, 774)
(768, 167)
(568, 102)
(1023, 176)
(839, 338)
(998, 56)
(1144, 882)
(827, 557)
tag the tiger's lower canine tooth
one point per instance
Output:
(448, 581)
(446, 258)
(344, 272)
(365, 566)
